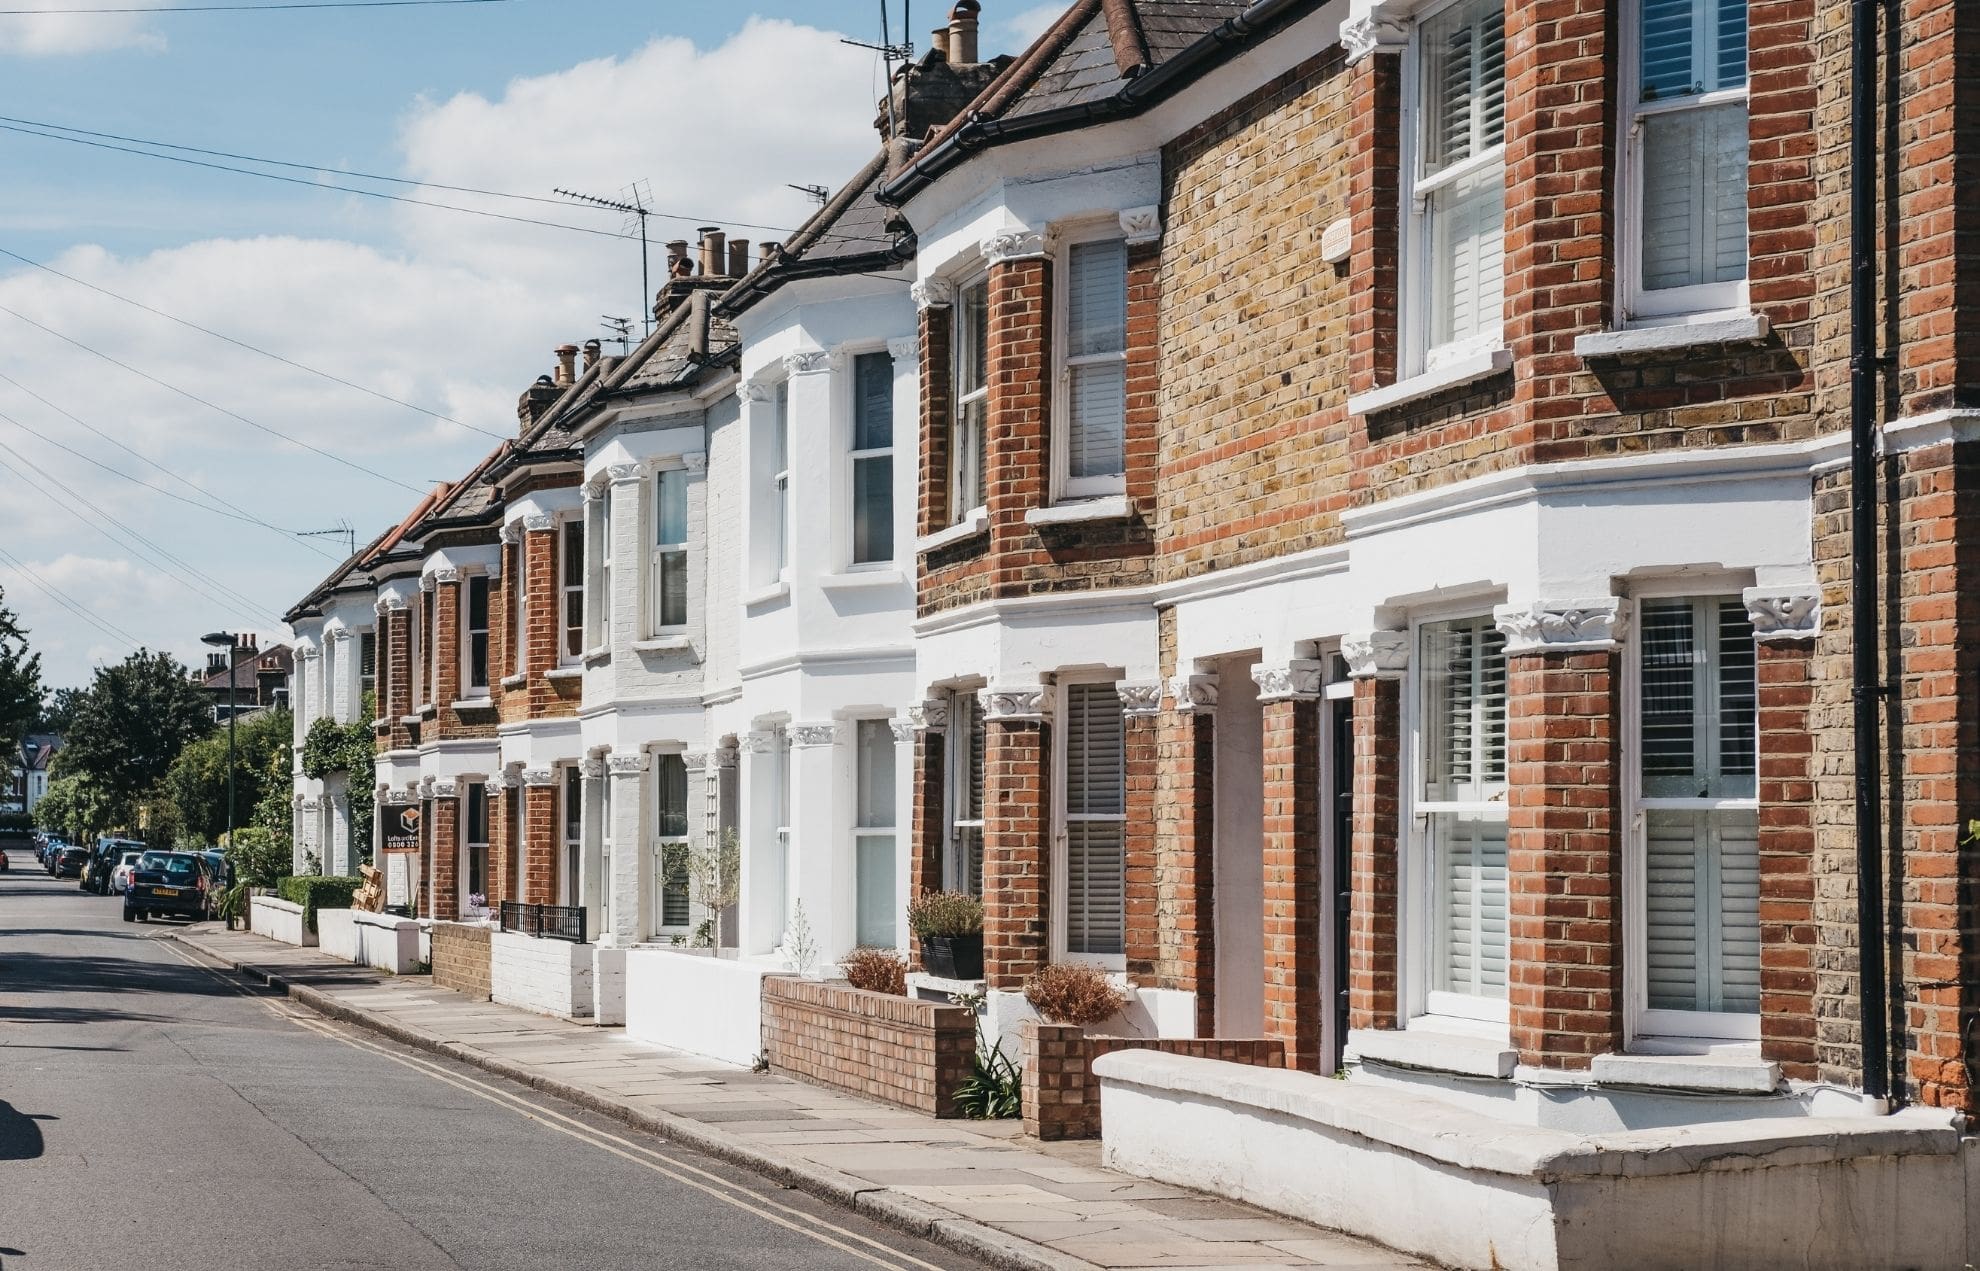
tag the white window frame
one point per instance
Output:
(598, 572)
(963, 705)
(1669, 305)
(570, 832)
(1420, 917)
(606, 816)
(465, 598)
(469, 844)
(662, 843)
(658, 552)
(1065, 486)
(1640, 1022)
(433, 641)
(959, 512)
(327, 688)
(890, 831)
(363, 634)
(518, 589)
(1417, 293)
(1061, 819)
(848, 396)
(780, 477)
(569, 530)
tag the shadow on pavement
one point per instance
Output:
(20, 1137)
(85, 973)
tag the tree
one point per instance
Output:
(197, 779)
(58, 711)
(131, 725)
(20, 682)
(75, 807)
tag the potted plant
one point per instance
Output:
(949, 925)
(1073, 993)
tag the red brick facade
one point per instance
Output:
(1062, 1096)
(896, 1049)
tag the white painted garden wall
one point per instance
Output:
(550, 977)
(697, 1003)
(279, 919)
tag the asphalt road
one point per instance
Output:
(158, 1114)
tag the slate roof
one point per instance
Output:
(850, 233)
(1116, 40)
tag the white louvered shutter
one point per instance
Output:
(1096, 806)
(1702, 906)
(1465, 765)
(1694, 159)
(1472, 891)
(1464, 118)
(1096, 371)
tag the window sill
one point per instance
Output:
(597, 657)
(410, 720)
(564, 673)
(969, 527)
(473, 704)
(1731, 1071)
(1434, 1049)
(515, 681)
(1112, 507)
(1417, 387)
(664, 644)
(428, 712)
(857, 578)
(765, 594)
(1703, 330)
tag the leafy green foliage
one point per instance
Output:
(274, 812)
(58, 710)
(316, 892)
(331, 749)
(994, 1088)
(131, 725)
(20, 682)
(197, 780)
(259, 858)
(75, 806)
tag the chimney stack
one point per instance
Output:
(738, 257)
(566, 365)
(714, 256)
(938, 39)
(962, 32)
(592, 349)
(216, 663)
(698, 325)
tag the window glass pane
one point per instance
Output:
(670, 520)
(875, 747)
(1697, 702)
(1467, 248)
(1098, 402)
(969, 456)
(671, 796)
(1694, 197)
(1464, 83)
(1666, 644)
(1096, 298)
(573, 555)
(673, 589)
(1471, 902)
(1702, 906)
(1738, 705)
(873, 401)
(573, 802)
(1692, 47)
(675, 907)
(874, 886)
(780, 429)
(1464, 709)
(873, 509)
(972, 337)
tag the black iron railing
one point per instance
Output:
(552, 922)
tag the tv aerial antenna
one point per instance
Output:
(621, 329)
(634, 205)
(889, 51)
(343, 529)
(819, 194)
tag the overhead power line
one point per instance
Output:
(69, 602)
(212, 502)
(247, 8)
(334, 457)
(243, 344)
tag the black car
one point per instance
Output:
(103, 862)
(69, 864)
(167, 883)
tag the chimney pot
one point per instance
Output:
(938, 39)
(738, 257)
(566, 364)
(591, 351)
(698, 324)
(771, 251)
(962, 32)
(676, 250)
(713, 255)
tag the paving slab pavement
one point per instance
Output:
(974, 1185)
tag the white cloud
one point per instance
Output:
(68, 34)
(1027, 25)
(449, 311)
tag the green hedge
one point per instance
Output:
(314, 892)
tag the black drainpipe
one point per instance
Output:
(1866, 689)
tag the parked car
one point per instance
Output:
(70, 863)
(14, 840)
(120, 877)
(103, 859)
(219, 877)
(165, 883)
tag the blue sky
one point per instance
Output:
(116, 540)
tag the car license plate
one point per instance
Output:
(164, 891)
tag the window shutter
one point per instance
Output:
(1668, 654)
(1096, 298)
(1096, 325)
(1702, 903)
(1737, 705)
(1473, 897)
(1466, 709)
(1095, 830)
(1667, 35)
(1464, 83)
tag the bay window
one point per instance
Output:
(670, 550)
(873, 459)
(519, 606)
(1685, 183)
(474, 837)
(598, 560)
(1091, 868)
(1089, 448)
(972, 400)
(1462, 801)
(1455, 186)
(1698, 892)
(873, 834)
(475, 634)
(433, 644)
(962, 863)
(673, 909)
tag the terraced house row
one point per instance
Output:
(1428, 538)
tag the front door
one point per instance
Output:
(1338, 873)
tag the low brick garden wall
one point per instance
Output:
(1061, 1094)
(460, 959)
(896, 1049)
